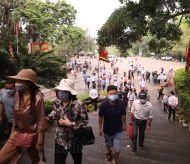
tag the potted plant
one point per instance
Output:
(181, 117)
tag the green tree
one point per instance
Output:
(42, 19)
(140, 18)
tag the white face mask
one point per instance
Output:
(19, 86)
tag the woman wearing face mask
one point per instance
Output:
(28, 117)
(70, 115)
(112, 122)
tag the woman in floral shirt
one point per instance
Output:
(70, 115)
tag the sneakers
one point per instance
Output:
(133, 154)
(141, 147)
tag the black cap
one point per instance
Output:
(142, 95)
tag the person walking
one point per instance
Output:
(103, 84)
(85, 78)
(93, 97)
(160, 91)
(70, 114)
(29, 117)
(131, 97)
(109, 77)
(165, 102)
(88, 81)
(7, 103)
(173, 102)
(112, 122)
(141, 118)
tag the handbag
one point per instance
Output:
(130, 131)
(24, 140)
(84, 135)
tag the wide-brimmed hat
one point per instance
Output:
(26, 74)
(66, 85)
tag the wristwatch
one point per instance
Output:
(73, 123)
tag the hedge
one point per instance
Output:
(182, 88)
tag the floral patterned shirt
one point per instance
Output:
(75, 112)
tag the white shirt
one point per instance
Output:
(142, 112)
(93, 78)
(131, 96)
(115, 83)
(165, 99)
(142, 83)
(88, 79)
(172, 100)
(93, 94)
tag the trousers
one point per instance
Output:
(61, 154)
(141, 126)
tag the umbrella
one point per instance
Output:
(90, 53)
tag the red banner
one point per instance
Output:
(39, 47)
(103, 55)
(187, 65)
(17, 28)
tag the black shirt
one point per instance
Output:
(112, 116)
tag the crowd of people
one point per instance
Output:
(24, 108)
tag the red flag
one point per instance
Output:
(11, 50)
(17, 29)
(187, 59)
(103, 55)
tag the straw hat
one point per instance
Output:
(66, 85)
(26, 74)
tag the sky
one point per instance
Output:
(92, 14)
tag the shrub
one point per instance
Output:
(84, 97)
(182, 88)
(103, 93)
(90, 107)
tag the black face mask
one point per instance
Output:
(63, 95)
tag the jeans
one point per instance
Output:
(61, 153)
(170, 112)
(141, 125)
(165, 106)
(8, 128)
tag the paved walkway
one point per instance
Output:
(166, 142)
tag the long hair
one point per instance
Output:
(33, 90)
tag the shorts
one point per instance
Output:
(114, 141)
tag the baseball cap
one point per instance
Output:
(142, 97)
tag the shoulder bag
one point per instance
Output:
(24, 140)
(84, 135)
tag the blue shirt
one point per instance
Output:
(8, 102)
(103, 82)
(112, 115)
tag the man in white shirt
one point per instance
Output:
(131, 97)
(93, 79)
(165, 101)
(173, 102)
(94, 97)
(142, 84)
(141, 118)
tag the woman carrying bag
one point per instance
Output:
(29, 121)
(70, 115)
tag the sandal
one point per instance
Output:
(108, 155)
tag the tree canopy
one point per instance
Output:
(139, 18)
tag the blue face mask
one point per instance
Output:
(10, 92)
(63, 95)
(112, 97)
